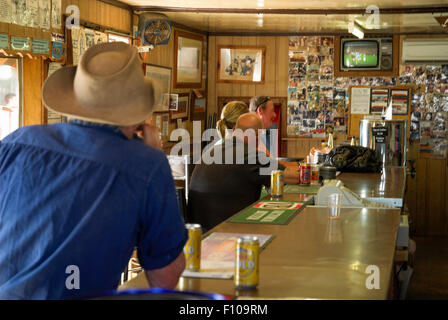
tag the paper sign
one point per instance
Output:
(360, 101)
(4, 41)
(41, 46)
(58, 50)
(18, 43)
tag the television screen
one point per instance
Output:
(361, 54)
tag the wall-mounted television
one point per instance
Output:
(366, 54)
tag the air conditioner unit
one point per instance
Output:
(425, 50)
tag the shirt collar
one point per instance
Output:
(99, 126)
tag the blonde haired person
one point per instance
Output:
(229, 116)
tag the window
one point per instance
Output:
(10, 106)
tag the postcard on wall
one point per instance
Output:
(56, 14)
(5, 11)
(44, 14)
(379, 100)
(400, 101)
(360, 100)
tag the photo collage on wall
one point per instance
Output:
(311, 85)
(429, 107)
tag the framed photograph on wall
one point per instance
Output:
(182, 107)
(163, 76)
(188, 59)
(198, 104)
(400, 101)
(241, 64)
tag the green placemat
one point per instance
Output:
(269, 212)
(293, 188)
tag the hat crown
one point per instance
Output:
(107, 86)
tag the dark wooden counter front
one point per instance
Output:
(314, 257)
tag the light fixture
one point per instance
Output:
(355, 29)
(260, 3)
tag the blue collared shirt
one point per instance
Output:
(82, 195)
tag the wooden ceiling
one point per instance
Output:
(301, 17)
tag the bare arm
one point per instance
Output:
(168, 276)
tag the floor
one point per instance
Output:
(430, 277)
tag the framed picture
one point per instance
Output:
(182, 107)
(163, 76)
(188, 58)
(197, 104)
(241, 64)
(379, 100)
(400, 101)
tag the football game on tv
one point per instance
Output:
(361, 54)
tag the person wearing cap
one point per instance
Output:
(78, 197)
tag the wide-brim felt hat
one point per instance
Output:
(108, 86)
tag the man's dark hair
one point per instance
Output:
(258, 102)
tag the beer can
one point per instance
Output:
(277, 183)
(192, 249)
(246, 263)
(305, 174)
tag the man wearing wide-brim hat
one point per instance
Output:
(78, 197)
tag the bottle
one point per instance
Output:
(330, 141)
(353, 142)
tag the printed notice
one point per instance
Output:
(5, 11)
(18, 43)
(44, 14)
(56, 14)
(41, 46)
(360, 101)
(4, 41)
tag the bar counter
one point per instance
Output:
(314, 257)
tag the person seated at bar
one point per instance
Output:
(231, 175)
(264, 108)
(78, 197)
(229, 116)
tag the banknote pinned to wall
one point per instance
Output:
(19, 12)
(44, 14)
(5, 11)
(32, 13)
(56, 14)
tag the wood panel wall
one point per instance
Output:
(427, 195)
(276, 71)
(164, 56)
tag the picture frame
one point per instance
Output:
(183, 104)
(198, 104)
(188, 60)
(241, 64)
(163, 75)
(400, 101)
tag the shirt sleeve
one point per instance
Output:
(163, 234)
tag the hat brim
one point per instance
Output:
(58, 95)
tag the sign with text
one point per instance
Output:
(41, 46)
(380, 134)
(18, 43)
(4, 41)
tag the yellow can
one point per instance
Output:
(192, 248)
(246, 263)
(277, 183)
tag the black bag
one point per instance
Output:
(354, 159)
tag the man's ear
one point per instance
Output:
(259, 112)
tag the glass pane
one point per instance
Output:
(9, 96)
